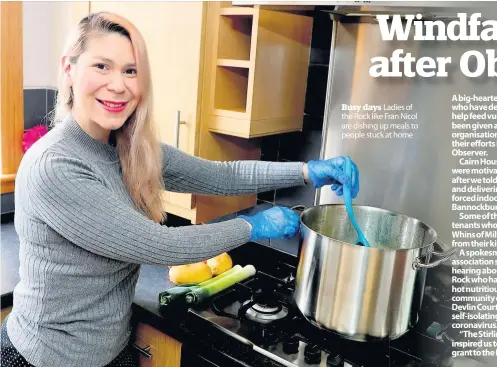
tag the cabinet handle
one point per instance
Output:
(178, 122)
(143, 351)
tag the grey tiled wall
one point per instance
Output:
(300, 146)
(37, 104)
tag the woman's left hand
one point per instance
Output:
(331, 172)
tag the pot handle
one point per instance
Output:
(298, 207)
(443, 257)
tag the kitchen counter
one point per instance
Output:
(152, 281)
(202, 339)
(182, 325)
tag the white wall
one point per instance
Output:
(64, 22)
(45, 28)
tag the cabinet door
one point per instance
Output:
(173, 32)
(11, 93)
(5, 311)
(155, 348)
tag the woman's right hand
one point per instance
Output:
(277, 222)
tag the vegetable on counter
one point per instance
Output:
(220, 264)
(201, 271)
(190, 273)
(199, 294)
(177, 294)
(191, 294)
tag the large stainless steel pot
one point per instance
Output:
(363, 293)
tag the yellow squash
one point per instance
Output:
(220, 264)
(190, 273)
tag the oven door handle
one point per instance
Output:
(255, 347)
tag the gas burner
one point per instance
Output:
(264, 314)
(262, 309)
(266, 308)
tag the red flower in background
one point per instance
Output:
(30, 136)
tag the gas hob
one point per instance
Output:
(258, 323)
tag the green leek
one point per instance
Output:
(197, 295)
(177, 294)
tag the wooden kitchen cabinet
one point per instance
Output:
(11, 93)
(156, 349)
(4, 312)
(260, 71)
(194, 90)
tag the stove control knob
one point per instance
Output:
(312, 354)
(291, 345)
(336, 361)
(269, 336)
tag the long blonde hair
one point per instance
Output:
(137, 144)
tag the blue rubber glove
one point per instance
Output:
(277, 222)
(331, 172)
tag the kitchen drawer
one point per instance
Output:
(147, 343)
(155, 348)
(5, 312)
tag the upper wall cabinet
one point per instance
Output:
(220, 74)
(260, 72)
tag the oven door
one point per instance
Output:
(207, 344)
(189, 357)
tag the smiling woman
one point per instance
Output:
(101, 87)
(111, 81)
